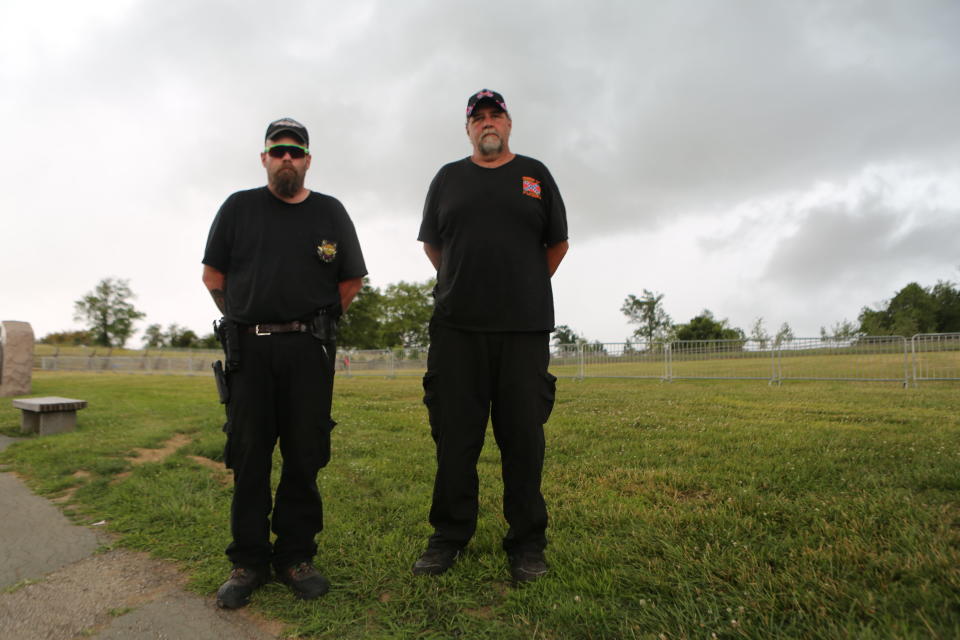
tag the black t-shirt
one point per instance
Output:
(493, 226)
(283, 261)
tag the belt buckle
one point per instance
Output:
(256, 328)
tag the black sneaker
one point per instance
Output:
(236, 591)
(527, 566)
(305, 581)
(433, 562)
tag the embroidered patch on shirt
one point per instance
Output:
(327, 250)
(531, 187)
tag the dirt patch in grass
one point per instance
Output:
(222, 473)
(80, 475)
(143, 456)
(168, 448)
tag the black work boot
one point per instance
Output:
(305, 581)
(433, 562)
(527, 566)
(236, 591)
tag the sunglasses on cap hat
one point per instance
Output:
(279, 150)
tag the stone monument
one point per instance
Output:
(16, 358)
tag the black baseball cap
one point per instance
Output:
(485, 94)
(287, 125)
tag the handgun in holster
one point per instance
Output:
(323, 326)
(221, 377)
(228, 333)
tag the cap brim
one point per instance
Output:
(276, 134)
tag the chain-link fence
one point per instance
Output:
(924, 357)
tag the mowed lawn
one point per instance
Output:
(690, 509)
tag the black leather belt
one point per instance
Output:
(282, 327)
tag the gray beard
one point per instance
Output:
(287, 184)
(490, 145)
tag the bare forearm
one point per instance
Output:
(216, 283)
(348, 291)
(220, 299)
(434, 253)
(555, 254)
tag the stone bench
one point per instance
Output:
(48, 415)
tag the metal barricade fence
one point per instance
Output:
(721, 360)
(877, 358)
(925, 357)
(624, 360)
(382, 362)
(192, 365)
(936, 356)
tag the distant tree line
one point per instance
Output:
(912, 310)
(177, 337)
(654, 324)
(399, 315)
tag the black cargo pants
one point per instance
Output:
(473, 376)
(282, 391)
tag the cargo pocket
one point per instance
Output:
(548, 395)
(325, 442)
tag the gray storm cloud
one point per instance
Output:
(650, 115)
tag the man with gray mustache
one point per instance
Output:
(494, 226)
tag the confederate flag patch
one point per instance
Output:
(531, 187)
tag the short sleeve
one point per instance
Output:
(353, 264)
(556, 227)
(219, 240)
(430, 225)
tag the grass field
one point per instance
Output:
(684, 510)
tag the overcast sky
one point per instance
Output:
(793, 161)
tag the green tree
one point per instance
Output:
(565, 335)
(648, 313)
(706, 327)
(759, 334)
(153, 337)
(947, 298)
(785, 334)
(360, 326)
(407, 307)
(912, 310)
(75, 338)
(208, 341)
(596, 348)
(843, 330)
(108, 312)
(181, 337)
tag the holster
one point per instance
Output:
(323, 326)
(223, 390)
(228, 333)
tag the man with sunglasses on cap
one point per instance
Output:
(282, 263)
(495, 228)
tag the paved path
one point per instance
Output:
(55, 585)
